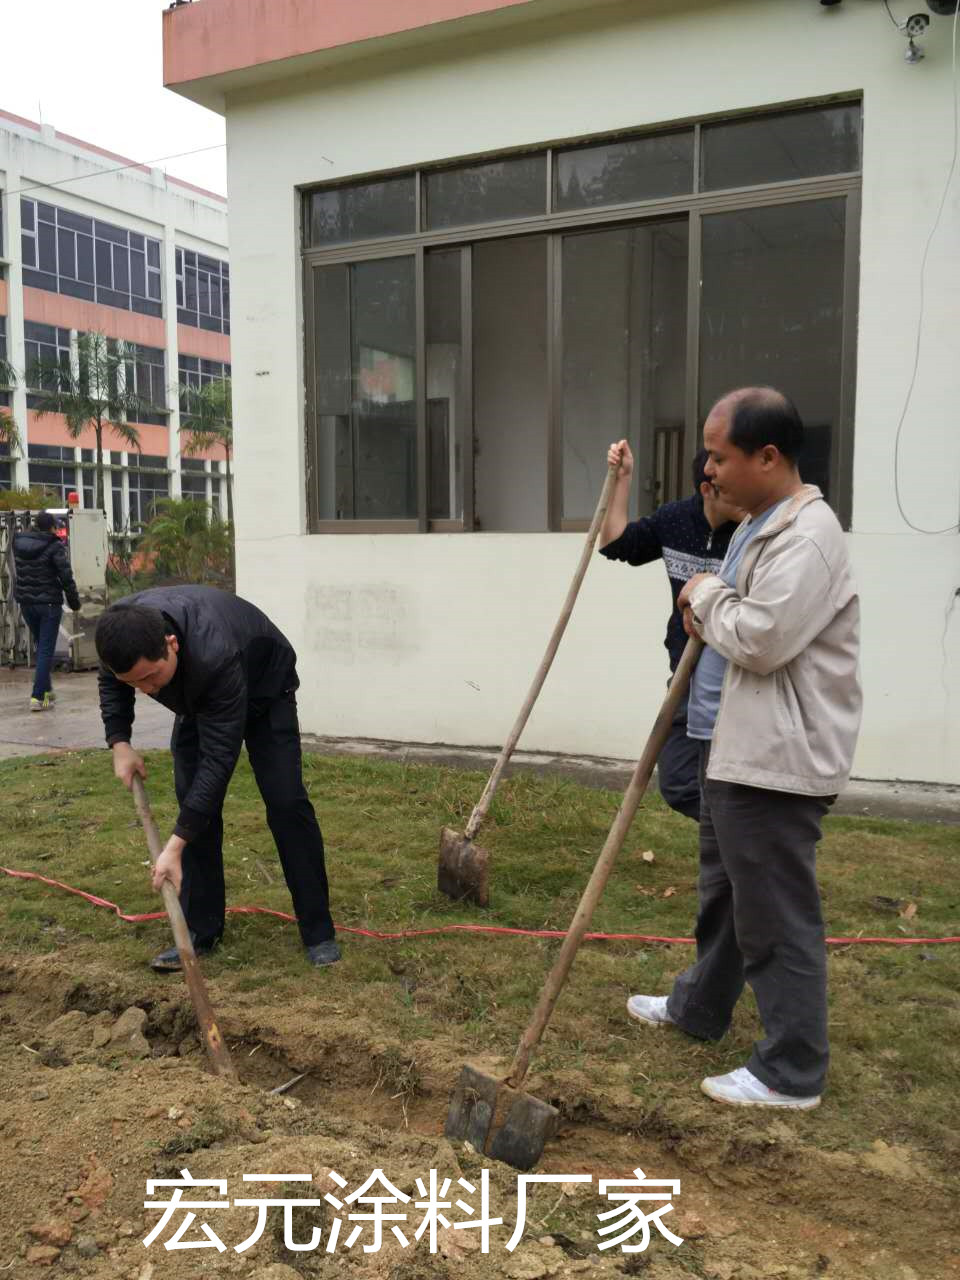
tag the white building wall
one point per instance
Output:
(435, 637)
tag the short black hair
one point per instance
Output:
(45, 521)
(127, 633)
(763, 416)
(698, 469)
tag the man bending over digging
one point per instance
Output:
(775, 707)
(230, 677)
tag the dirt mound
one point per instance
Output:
(104, 1087)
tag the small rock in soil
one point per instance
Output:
(127, 1032)
(55, 1232)
(276, 1271)
(87, 1247)
(39, 1095)
(42, 1255)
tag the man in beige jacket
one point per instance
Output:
(775, 704)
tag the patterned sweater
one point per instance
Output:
(680, 534)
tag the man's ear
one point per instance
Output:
(173, 644)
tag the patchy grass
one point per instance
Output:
(895, 1012)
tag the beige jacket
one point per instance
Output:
(791, 701)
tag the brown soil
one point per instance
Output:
(86, 1119)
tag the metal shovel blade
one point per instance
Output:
(463, 869)
(499, 1121)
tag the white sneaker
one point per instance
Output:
(651, 1010)
(741, 1088)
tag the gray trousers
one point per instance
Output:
(759, 920)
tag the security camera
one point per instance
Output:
(916, 24)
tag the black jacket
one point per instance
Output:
(232, 663)
(43, 570)
(681, 534)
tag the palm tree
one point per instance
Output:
(206, 415)
(186, 543)
(9, 432)
(94, 395)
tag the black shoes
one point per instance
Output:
(319, 955)
(169, 961)
(323, 953)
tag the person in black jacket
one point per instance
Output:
(691, 536)
(43, 577)
(230, 676)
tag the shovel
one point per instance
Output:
(495, 1116)
(213, 1041)
(463, 869)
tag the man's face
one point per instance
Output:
(150, 675)
(741, 480)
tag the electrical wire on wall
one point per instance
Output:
(923, 268)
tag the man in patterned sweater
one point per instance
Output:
(690, 536)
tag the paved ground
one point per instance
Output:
(75, 725)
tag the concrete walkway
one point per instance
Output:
(74, 725)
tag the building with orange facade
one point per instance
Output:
(92, 242)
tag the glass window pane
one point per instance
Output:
(121, 269)
(619, 172)
(153, 253)
(47, 248)
(492, 192)
(446, 415)
(85, 258)
(28, 247)
(798, 144)
(103, 261)
(624, 318)
(138, 273)
(383, 332)
(68, 258)
(364, 212)
(27, 214)
(773, 314)
(75, 221)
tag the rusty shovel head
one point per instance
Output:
(463, 869)
(500, 1121)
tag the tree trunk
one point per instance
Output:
(99, 490)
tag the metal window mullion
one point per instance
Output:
(310, 394)
(421, 388)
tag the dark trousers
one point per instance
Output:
(678, 768)
(760, 921)
(272, 737)
(44, 623)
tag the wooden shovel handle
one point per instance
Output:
(483, 804)
(217, 1050)
(639, 781)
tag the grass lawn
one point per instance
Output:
(895, 1011)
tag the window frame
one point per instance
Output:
(694, 206)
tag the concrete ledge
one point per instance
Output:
(914, 801)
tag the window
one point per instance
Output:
(466, 377)
(53, 466)
(624, 172)
(195, 372)
(772, 312)
(148, 482)
(203, 291)
(44, 344)
(146, 376)
(782, 147)
(83, 257)
(366, 462)
(489, 192)
(362, 211)
(193, 479)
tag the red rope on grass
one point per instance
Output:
(502, 930)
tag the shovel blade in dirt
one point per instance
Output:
(504, 1123)
(463, 869)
